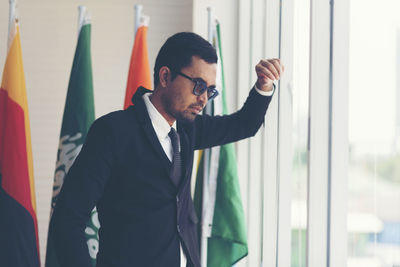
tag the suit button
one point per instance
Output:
(178, 228)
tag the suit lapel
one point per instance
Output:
(144, 119)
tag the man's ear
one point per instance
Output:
(164, 76)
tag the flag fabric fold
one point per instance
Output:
(222, 213)
(19, 243)
(139, 68)
(77, 118)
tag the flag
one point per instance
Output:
(19, 246)
(222, 213)
(78, 116)
(139, 69)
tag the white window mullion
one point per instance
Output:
(243, 66)
(339, 136)
(255, 152)
(317, 221)
(285, 122)
(242, 92)
(270, 137)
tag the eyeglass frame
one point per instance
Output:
(197, 83)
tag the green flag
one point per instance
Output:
(78, 116)
(222, 213)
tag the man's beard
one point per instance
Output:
(185, 116)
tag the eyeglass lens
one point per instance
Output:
(201, 87)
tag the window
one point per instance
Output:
(299, 207)
(374, 134)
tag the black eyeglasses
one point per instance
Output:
(200, 87)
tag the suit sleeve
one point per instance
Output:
(83, 187)
(219, 130)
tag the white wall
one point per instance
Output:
(48, 38)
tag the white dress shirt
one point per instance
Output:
(265, 93)
(162, 128)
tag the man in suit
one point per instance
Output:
(136, 164)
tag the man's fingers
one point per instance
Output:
(265, 72)
(282, 67)
(273, 66)
(273, 70)
(271, 75)
(277, 65)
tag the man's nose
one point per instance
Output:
(203, 98)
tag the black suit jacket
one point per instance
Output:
(123, 170)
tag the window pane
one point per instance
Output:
(374, 123)
(300, 131)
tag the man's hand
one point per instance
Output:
(267, 71)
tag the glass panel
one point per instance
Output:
(300, 131)
(374, 134)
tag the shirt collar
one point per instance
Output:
(160, 124)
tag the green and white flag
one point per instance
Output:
(78, 116)
(219, 200)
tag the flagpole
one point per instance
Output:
(13, 4)
(210, 11)
(81, 17)
(11, 23)
(207, 152)
(138, 15)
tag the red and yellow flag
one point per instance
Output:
(19, 244)
(139, 69)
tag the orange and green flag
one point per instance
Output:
(19, 246)
(139, 69)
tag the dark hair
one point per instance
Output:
(177, 52)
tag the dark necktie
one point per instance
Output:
(176, 170)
